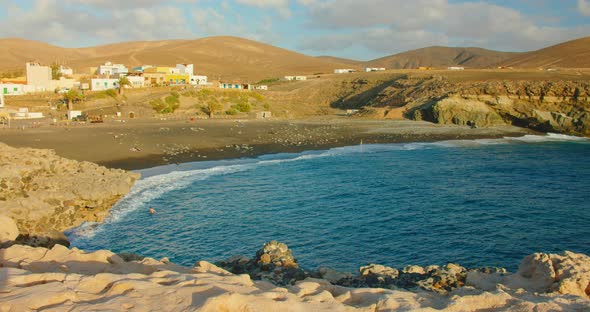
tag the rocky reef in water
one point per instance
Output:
(70, 279)
(42, 194)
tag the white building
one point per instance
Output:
(184, 69)
(456, 68)
(2, 100)
(199, 80)
(101, 84)
(38, 76)
(261, 87)
(343, 71)
(136, 81)
(110, 69)
(299, 78)
(66, 71)
(374, 69)
(23, 113)
(12, 89)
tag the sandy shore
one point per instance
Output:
(148, 143)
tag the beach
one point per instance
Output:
(145, 143)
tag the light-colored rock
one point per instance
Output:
(8, 230)
(46, 194)
(414, 269)
(30, 279)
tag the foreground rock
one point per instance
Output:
(46, 194)
(61, 279)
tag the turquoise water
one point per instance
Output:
(477, 203)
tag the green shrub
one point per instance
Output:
(243, 107)
(266, 106)
(267, 81)
(165, 107)
(172, 100)
(232, 111)
(175, 94)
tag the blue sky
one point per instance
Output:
(347, 28)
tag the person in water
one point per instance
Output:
(152, 210)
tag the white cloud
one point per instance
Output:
(405, 25)
(62, 23)
(584, 7)
(282, 6)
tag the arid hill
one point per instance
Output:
(340, 60)
(571, 54)
(217, 57)
(442, 57)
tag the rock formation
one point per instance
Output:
(46, 194)
(63, 279)
(548, 106)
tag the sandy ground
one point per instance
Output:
(136, 144)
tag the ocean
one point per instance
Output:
(477, 203)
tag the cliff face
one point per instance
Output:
(46, 194)
(548, 106)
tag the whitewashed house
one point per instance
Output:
(374, 69)
(66, 71)
(456, 68)
(12, 89)
(199, 80)
(298, 78)
(343, 71)
(261, 87)
(110, 69)
(101, 84)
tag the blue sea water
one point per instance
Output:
(477, 203)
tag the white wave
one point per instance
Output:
(155, 186)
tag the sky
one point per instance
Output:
(357, 29)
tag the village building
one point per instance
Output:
(199, 80)
(343, 71)
(101, 84)
(136, 80)
(110, 69)
(12, 88)
(37, 75)
(152, 79)
(293, 78)
(456, 68)
(235, 86)
(374, 69)
(65, 71)
(141, 69)
(261, 87)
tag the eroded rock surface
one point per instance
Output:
(46, 194)
(61, 279)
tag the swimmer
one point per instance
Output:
(152, 210)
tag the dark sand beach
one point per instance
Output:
(136, 144)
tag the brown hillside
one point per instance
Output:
(571, 54)
(340, 60)
(217, 57)
(442, 57)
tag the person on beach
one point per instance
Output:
(152, 210)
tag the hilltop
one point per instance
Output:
(442, 57)
(218, 57)
(571, 54)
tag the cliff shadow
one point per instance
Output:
(353, 100)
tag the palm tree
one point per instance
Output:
(123, 81)
(72, 96)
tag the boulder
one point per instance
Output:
(8, 230)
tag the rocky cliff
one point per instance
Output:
(46, 194)
(548, 106)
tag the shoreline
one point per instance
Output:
(142, 144)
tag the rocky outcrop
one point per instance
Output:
(63, 279)
(274, 263)
(46, 194)
(568, 274)
(548, 106)
(8, 230)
